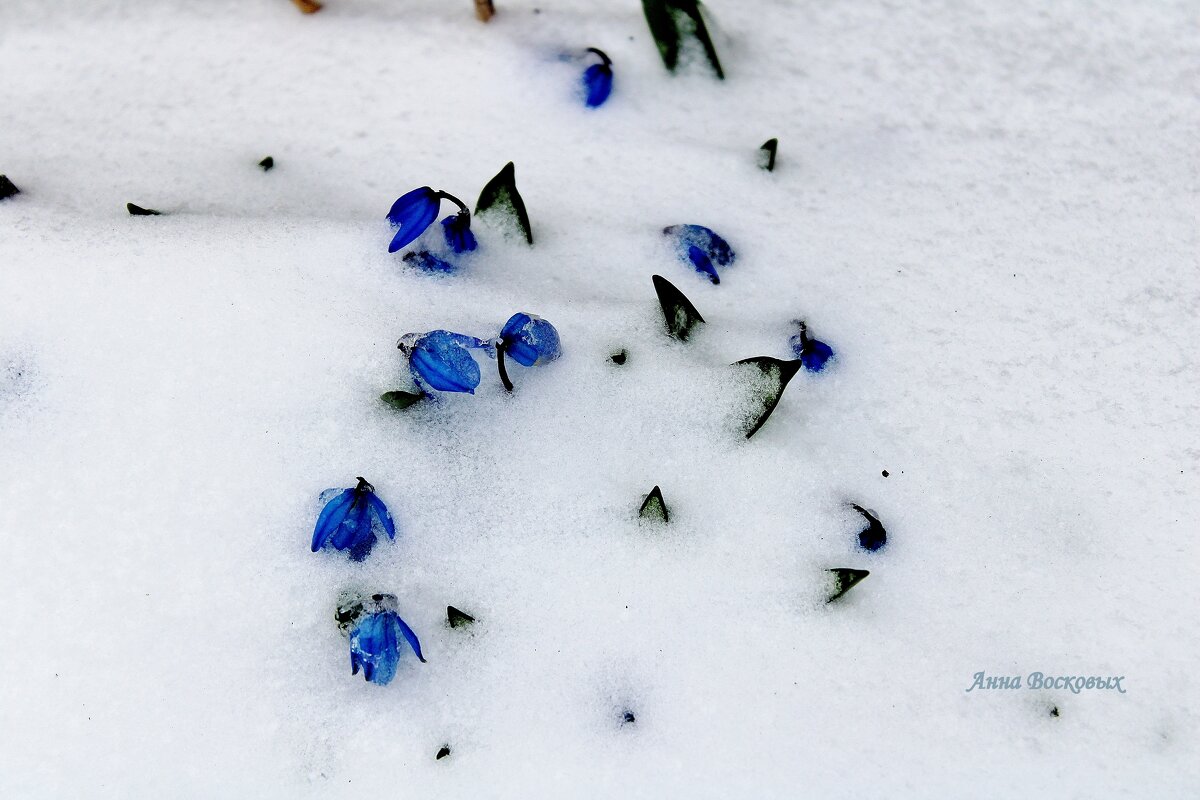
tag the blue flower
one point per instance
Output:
(375, 645)
(412, 213)
(597, 80)
(457, 228)
(352, 520)
(813, 353)
(423, 259)
(530, 339)
(873, 536)
(442, 361)
(702, 247)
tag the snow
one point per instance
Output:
(988, 210)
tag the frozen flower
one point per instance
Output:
(702, 247)
(351, 520)
(812, 352)
(442, 360)
(530, 340)
(423, 259)
(375, 643)
(598, 80)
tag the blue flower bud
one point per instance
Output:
(702, 248)
(351, 520)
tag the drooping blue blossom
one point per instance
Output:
(352, 520)
(415, 211)
(702, 247)
(813, 353)
(412, 213)
(874, 536)
(442, 361)
(425, 260)
(530, 340)
(457, 228)
(597, 80)
(375, 645)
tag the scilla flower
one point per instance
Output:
(442, 361)
(352, 520)
(598, 80)
(812, 352)
(529, 340)
(375, 641)
(415, 211)
(703, 247)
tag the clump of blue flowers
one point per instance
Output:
(352, 520)
(530, 340)
(375, 633)
(415, 211)
(597, 80)
(702, 247)
(813, 353)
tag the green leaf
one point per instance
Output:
(766, 154)
(770, 378)
(667, 20)
(654, 507)
(845, 579)
(680, 314)
(458, 619)
(501, 195)
(400, 400)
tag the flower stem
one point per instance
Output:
(508, 387)
(462, 209)
(803, 332)
(603, 56)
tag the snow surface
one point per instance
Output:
(988, 209)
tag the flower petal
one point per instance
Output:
(410, 636)
(331, 518)
(382, 515)
(702, 263)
